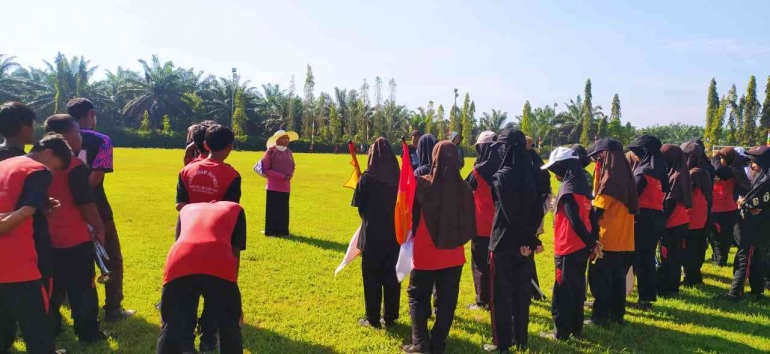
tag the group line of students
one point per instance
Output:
(652, 209)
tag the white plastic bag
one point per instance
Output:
(405, 262)
(351, 253)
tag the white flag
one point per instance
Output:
(351, 253)
(405, 261)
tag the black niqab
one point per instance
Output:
(647, 148)
(425, 154)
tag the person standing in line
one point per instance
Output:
(414, 157)
(651, 186)
(518, 211)
(584, 162)
(730, 183)
(544, 186)
(456, 139)
(191, 152)
(696, 242)
(673, 240)
(17, 122)
(204, 261)
(615, 204)
(24, 183)
(375, 198)
(72, 238)
(575, 240)
(754, 228)
(278, 167)
(443, 221)
(97, 154)
(480, 180)
(425, 154)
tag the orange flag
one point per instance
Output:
(406, 187)
(353, 180)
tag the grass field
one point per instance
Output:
(293, 304)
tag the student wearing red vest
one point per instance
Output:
(210, 179)
(730, 183)
(676, 203)
(518, 212)
(204, 262)
(695, 243)
(651, 185)
(443, 221)
(480, 180)
(73, 249)
(24, 182)
(575, 239)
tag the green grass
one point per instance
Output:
(294, 304)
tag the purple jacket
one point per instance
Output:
(279, 168)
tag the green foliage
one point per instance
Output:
(454, 119)
(764, 120)
(493, 121)
(601, 131)
(308, 105)
(525, 120)
(747, 135)
(675, 133)
(166, 124)
(239, 118)
(469, 123)
(335, 125)
(430, 123)
(588, 132)
(441, 125)
(630, 132)
(145, 127)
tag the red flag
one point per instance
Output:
(353, 180)
(406, 188)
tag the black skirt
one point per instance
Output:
(277, 214)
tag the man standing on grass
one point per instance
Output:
(203, 261)
(97, 154)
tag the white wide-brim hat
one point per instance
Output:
(560, 154)
(293, 136)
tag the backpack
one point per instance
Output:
(258, 167)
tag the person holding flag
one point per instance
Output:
(375, 198)
(480, 180)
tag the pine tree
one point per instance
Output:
(167, 124)
(527, 121)
(363, 110)
(764, 120)
(465, 124)
(615, 127)
(145, 125)
(588, 133)
(454, 119)
(308, 105)
(240, 118)
(712, 106)
(470, 126)
(291, 117)
(747, 135)
(732, 98)
(718, 121)
(739, 119)
(430, 124)
(335, 125)
(441, 125)
(601, 132)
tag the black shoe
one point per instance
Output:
(117, 315)
(387, 323)
(207, 347)
(731, 298)
(366, 323)
(757, 297)
(644, 305)
(99, 337)
(409, 348)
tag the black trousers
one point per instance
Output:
(693, 255)
(73, 277)
(480, 267)
(421, 283)
(648, 228)
(27, 304)
(179, 308)
(113, 290)
(724, 224)
(277, 214)
(607, 279)
(380, 284)
(8, 325)
(748, 264)
(569, 293)
(671, 258)
(511, 296)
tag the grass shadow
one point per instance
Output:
(132, 335)
(259, 340)
(319, 243)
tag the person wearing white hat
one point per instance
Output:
(277, 165)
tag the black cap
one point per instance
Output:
(416, 133)
(758, 150)
(646, 140)
(604, 144)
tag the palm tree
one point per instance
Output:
(11, 87)
(273, 106)
(493, 121)
(418, 119)
(571, 120)
(111, 90)
(160, 92)
(61, 81)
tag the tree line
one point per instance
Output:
(165, 98)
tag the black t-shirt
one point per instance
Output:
(376, 204)
(6, 152)
(35, 194)
(81, 190)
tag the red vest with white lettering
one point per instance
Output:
(66, 225)
(652, 196)
(204, 246)
(207, 180)
(565, 239)
(18, 258)
(485, 206)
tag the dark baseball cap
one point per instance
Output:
(604, 144)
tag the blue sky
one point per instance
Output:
(657, 55)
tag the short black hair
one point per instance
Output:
(79, 107)
(13, 115)
(57, 144)
(199, 136)
(219, 137)
(60, 124)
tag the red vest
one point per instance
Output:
(723, 196)
(66, 225)
(428, 257)
(565, 239)
(485, 206)
(18, 258)
(205, 242)
(678, 217)
(207, 180)
(699, 211)
(652, 196)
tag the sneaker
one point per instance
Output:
(366, 323)
(118, 315)
(413, 349)
(731, 297)
(548, 335)
(60, 351)
(476, 307)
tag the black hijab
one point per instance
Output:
(517, 180)
(543, 177)
(425, 154)
(383, 165)
(612, 174)
(709, 168)
(647, 148)
(698, 166)
(760, 155)
(573, 179)
(491, 161)
(678, 175)
(582, 155)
